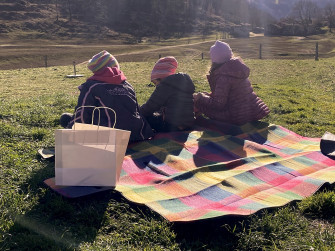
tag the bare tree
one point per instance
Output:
(69, 9)
(57, 11)
(329, 12)
(305, 11)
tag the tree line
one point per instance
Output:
(306, 18)
(167, 18)
(161, 18)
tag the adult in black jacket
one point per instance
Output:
(170, 107)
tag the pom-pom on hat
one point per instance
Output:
(220, 52)
(101, 60)
(164, 67)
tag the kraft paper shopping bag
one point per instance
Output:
(89, 155)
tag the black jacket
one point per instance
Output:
(174, 96)
(121, 98)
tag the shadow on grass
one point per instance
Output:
(210, 234)
(54, 222)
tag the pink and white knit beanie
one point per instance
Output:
(220, 52)
(164, 67)
(101, 60)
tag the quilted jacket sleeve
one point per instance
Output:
(217, 100)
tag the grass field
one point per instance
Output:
(300, 94)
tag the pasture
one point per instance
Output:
(32, 54)
(300, 94)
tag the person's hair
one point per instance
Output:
(214, 66)
(156, 79)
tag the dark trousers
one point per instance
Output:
(158, 123)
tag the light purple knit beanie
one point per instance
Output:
(220, 52)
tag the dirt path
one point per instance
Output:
(32, 55)
(161, 49)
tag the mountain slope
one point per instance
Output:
(99, 19)
(133, 19)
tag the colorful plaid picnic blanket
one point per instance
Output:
(220, 169)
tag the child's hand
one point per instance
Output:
(196, 96)
(197, 114)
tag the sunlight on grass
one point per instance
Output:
(284, 229)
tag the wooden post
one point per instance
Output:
(202, 55)
(74, 68)
(260, 51)
(75, 75)
(46, 61)
(316, 51)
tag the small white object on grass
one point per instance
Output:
(75, 75)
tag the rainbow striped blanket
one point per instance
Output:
(220, 169)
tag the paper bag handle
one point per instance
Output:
(103, 107)
(95, 108)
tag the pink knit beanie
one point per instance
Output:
(220, 52)
(101, 60)
(164, 67)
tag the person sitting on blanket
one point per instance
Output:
(108, 87)
(232, 99)
(170, 107)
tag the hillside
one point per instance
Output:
(28, 20)
(133, 20)
(128, 20)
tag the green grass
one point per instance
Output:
(300, 95)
